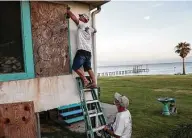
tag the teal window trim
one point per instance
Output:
(27, 47)
(70, 52)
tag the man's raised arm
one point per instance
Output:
(72, 16)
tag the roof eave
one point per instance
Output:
(94, 4)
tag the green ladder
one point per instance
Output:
(88, 114)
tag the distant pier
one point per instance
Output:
(136, 69)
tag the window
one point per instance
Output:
(16, 56)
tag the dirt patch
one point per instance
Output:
(184, 91)
(162, 90)
(51, 129)
(175, 91)
(78, 127)
(47, 129)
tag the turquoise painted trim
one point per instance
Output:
(69, 106)
(13, 76)
(27, 38)
(27, 47)
(71, 112)
(70, 51)
(73, 120)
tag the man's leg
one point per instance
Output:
(87, 67)
(78, 61)
(82, 76)
(92, 76)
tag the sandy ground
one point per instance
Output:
(109, 112)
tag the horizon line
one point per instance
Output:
(141, 64)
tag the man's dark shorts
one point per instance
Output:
(82, 58)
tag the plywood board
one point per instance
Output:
(50, 38)
(17, 120)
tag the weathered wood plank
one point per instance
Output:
(17, 120)
(50, 39)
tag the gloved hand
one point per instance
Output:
(68, 9)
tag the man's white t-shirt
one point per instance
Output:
(123, 124)
(84, 37)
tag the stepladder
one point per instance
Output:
(94, 118)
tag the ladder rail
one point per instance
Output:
(98, 113)
(102, 118)
(98, 106)
(88, 124)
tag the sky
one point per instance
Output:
(131, 32)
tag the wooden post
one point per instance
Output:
(38, 126)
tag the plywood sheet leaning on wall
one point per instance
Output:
(50, 38)
(17, 120)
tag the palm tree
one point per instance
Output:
(183, 49)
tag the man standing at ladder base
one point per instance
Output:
(122, 127)
(84, 45)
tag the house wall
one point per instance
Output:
(47, 92)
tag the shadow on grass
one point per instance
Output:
(157, 113)
(182, 131)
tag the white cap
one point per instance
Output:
(123, 100)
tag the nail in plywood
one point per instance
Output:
(50, 39)
(17, 120)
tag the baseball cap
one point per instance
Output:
(123, 100)
(85, 16)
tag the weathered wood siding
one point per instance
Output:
(18, 120)
(50, 39)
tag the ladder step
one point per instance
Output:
(91, 111)
(88, 113)
(92, 101)
(93, 115)
(71, 112)
(77, 119)
(69, 106)
(87, 90)
(98, 128)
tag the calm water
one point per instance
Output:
(154, 69)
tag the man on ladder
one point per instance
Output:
(83, 58)
(84, 46)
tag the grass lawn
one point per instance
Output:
(143, 92)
